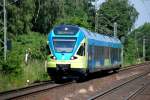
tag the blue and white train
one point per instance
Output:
(76, 51)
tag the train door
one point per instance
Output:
(101, 56)
(107, 56)
(93, 58)
(112, 56)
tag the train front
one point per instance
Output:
(66, 52)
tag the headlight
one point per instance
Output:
(73, 57)
(53, 57)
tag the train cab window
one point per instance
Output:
(65, 45)
(81, 50)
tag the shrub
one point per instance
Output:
(11, 66)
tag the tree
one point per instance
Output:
(19, 16)
(47, 11)
(41, 15)
(74, 21)
(143, 32)
(119, 11)
(130, 55)
(78, 12)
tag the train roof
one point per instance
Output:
(102, 40)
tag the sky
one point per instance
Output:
(142, 6)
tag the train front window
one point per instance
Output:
(64, 45)
(66, 30)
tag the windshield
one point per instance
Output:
(64, 44)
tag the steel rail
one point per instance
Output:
(137, 91)
(30, 90)
(116, 87)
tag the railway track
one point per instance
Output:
(114, 92)
(42, 87)
(30, 90)
(137, 91)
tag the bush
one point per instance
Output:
(39, 52)
(14, 72)
(35, 41)
(11, 66)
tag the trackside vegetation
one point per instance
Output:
(15, 72)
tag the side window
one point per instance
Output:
(90, 52)
(95, 52)
(106, 52)
(81, 50)
(102, 52)
(119, 54)
(115, 54)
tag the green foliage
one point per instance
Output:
(74, 8)
(78, 12)
(34, 72)
(41, 15)
(11, 66)
(74, 20)
(19, 16)
(15, 72)
(130, 55)
(119, 11)
(33, 41)
(139, 34)
(45, 15)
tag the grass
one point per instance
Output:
(33, 72)
(138, 61)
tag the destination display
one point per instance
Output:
(66, 30)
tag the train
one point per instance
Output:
(75, 51)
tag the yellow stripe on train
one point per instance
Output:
(77, 63)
